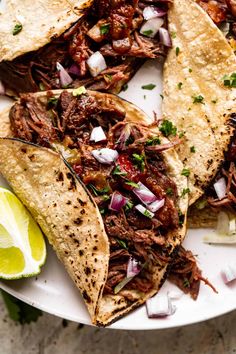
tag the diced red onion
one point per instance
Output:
(96, 63)
(150, 12)
(117, 201)
(124, 136)
(97, 135)
(229, 273)
(133, 268)
(2, 89)
(155, 206)
(144, 211)
(105, 155)
(65, 78)
(144, 194)
(220, 188)
(159, 306)
(74, 69)
(151, 27)
(165, 37)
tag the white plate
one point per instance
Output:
(54, 292)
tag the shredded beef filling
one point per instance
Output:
(111, 27)
(185, 273)
(68, 122)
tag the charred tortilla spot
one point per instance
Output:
(82, 203)
(86, 296)
(95, 248)
(32, 157)
(69, 202)
(67, 227)
(78, 221)
(60, 177)
(72, 181)
(81, 253)
(24, 150)
(87, 271)
(55, 204)
(82, 212)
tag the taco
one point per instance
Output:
(101, 50)
(199, 92)
(115, 210)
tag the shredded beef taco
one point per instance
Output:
(199, 92)
(100, 50)
(112, 202)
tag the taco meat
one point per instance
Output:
(111, 28)
(135, 230)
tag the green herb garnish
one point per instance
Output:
(198, 99)
(186, 283)
(52, 101)
(109, 76)
(117, 171)
(153, 141)
(132, 184)
(122, 244)
(230, 81)
(125, 87)
(181, 134)
(190, 70)
(179, 85)
(214, 101)
(177, 50)
(79, 91)
(97, 191)
(139, 161)
(17, 29)
(185, 191)
(181, 218)
(167, 128)
(147, 33)
(169, 191)
(185, 172)
(148, 87)
(104, 29)
(201, 204)
(173, 34)
(192, 149)
(161, 96)
(147, 214)
(129, 205)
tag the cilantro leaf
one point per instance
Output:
(185, 172)
(17, 29)
(177, 50)
(198, 99)
(117, 171)
(192, 149)
(148, 87)
(147, 32)
(153, 141)
(132, 184)
(122, 243)
(230, 80)
(167, 128)
(139, 161)
(104, 29)
(97, 191)
(185, 191)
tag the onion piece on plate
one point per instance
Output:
(220, 188)
(225, 231)
(151, 27)
(65, 78)
(117, 201)
(229, 273)
(97, 135)
(105, 155)
(159, 306)
(150, 12)
(96, 63)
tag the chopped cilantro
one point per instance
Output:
(109, 77)
(104, 29)
(167, 128)
(214, 101)
(185, 191)
(147, 33)
(153, 141)
(181, 218)
(132, 184)
(186, 283)
(177, 50)
(179, 85)
(230, 81)
(198, 99)
(161, 96)
(97, 191)
(185, 172)
(201, 204)
(102, 211)
(52, 101)
(79, 91)
(117, 171)
(122, 244)
(169, 191)
(192, 149)
(105, 197)
(173, 34)
(20, 311)
(125, 87)
(147, 214)
(139, 161)
(190, 70)
(129, 205)
(17, 29)
(148, 87)
(181, 134)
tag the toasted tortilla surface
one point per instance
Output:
(195, 67)
(41, 20)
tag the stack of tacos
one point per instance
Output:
(108, 185)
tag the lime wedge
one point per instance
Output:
(22, 246)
